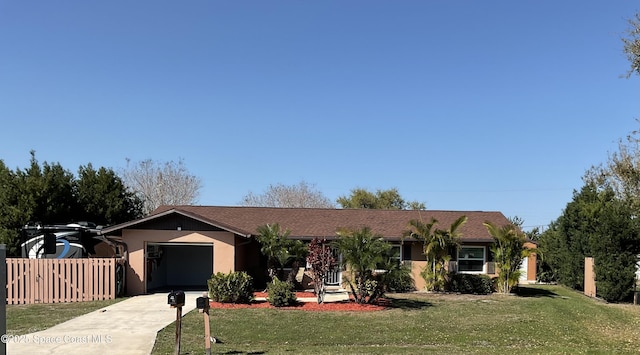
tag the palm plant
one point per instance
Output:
(509, 251)
(361, 252)
(278, 249)
(437, 246)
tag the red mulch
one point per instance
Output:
(309, 306)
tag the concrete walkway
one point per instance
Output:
(128, 327)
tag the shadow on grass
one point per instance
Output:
(404, 303)
(243, 352)
(524, 291)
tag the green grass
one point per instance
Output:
(24, 319)
(542, 319)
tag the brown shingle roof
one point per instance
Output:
(312, 222)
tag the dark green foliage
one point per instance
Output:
(280, 293)
(398, 279)
(362, 253)
(470, 283)
(615, 276)
(11, 217)
(50, 194)
(104, 197)
(566, 243)
(381, 199)
(597, 224)
(235, 287)
(615, 246)
(280, 250)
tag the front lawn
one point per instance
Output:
(542, 319)
(30, 318)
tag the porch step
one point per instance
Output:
(334, 289)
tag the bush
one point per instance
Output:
(470, 283)
(280, 293)
(399, 279)
(235, 287)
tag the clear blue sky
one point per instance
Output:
(465, 105)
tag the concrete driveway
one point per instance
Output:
(127, 327)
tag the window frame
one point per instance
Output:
(484, 259)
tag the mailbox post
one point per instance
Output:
(202, 303)
(175, 299)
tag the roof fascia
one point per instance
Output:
(130, 224)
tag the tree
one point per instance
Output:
(10, 214)
(279, 249)
(509, 251)
(615, 246)
(438, 245)
(566, 243)
(49, 194)
(46, 194)
(302, 195)
(621, 172)
(156, 184)
(362, 251)
(595, 223)
(321, 260)
(104, 197)
(632, 45)
(381, 199)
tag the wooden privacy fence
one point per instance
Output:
(60, 280)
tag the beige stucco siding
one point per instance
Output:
(531, 263)
(137, 240)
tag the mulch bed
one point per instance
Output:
(309, 306)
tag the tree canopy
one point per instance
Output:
(301, 195)
(632, 45)
(161, 183)
(381, 199)
(599, 224)
(49, 194)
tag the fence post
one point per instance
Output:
(3, 296)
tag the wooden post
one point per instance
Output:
(3, 297)
(207, 332)
(178, 328)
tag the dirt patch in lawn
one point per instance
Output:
(309, 306)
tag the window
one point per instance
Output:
(471, 259)
(396, 253)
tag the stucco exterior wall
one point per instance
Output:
(416, 269)
(137, 239)
(531, 263)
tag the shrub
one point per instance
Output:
(470, 283)
(235, 287)
(280, 293)
(399, 279)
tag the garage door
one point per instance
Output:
(173, 266)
